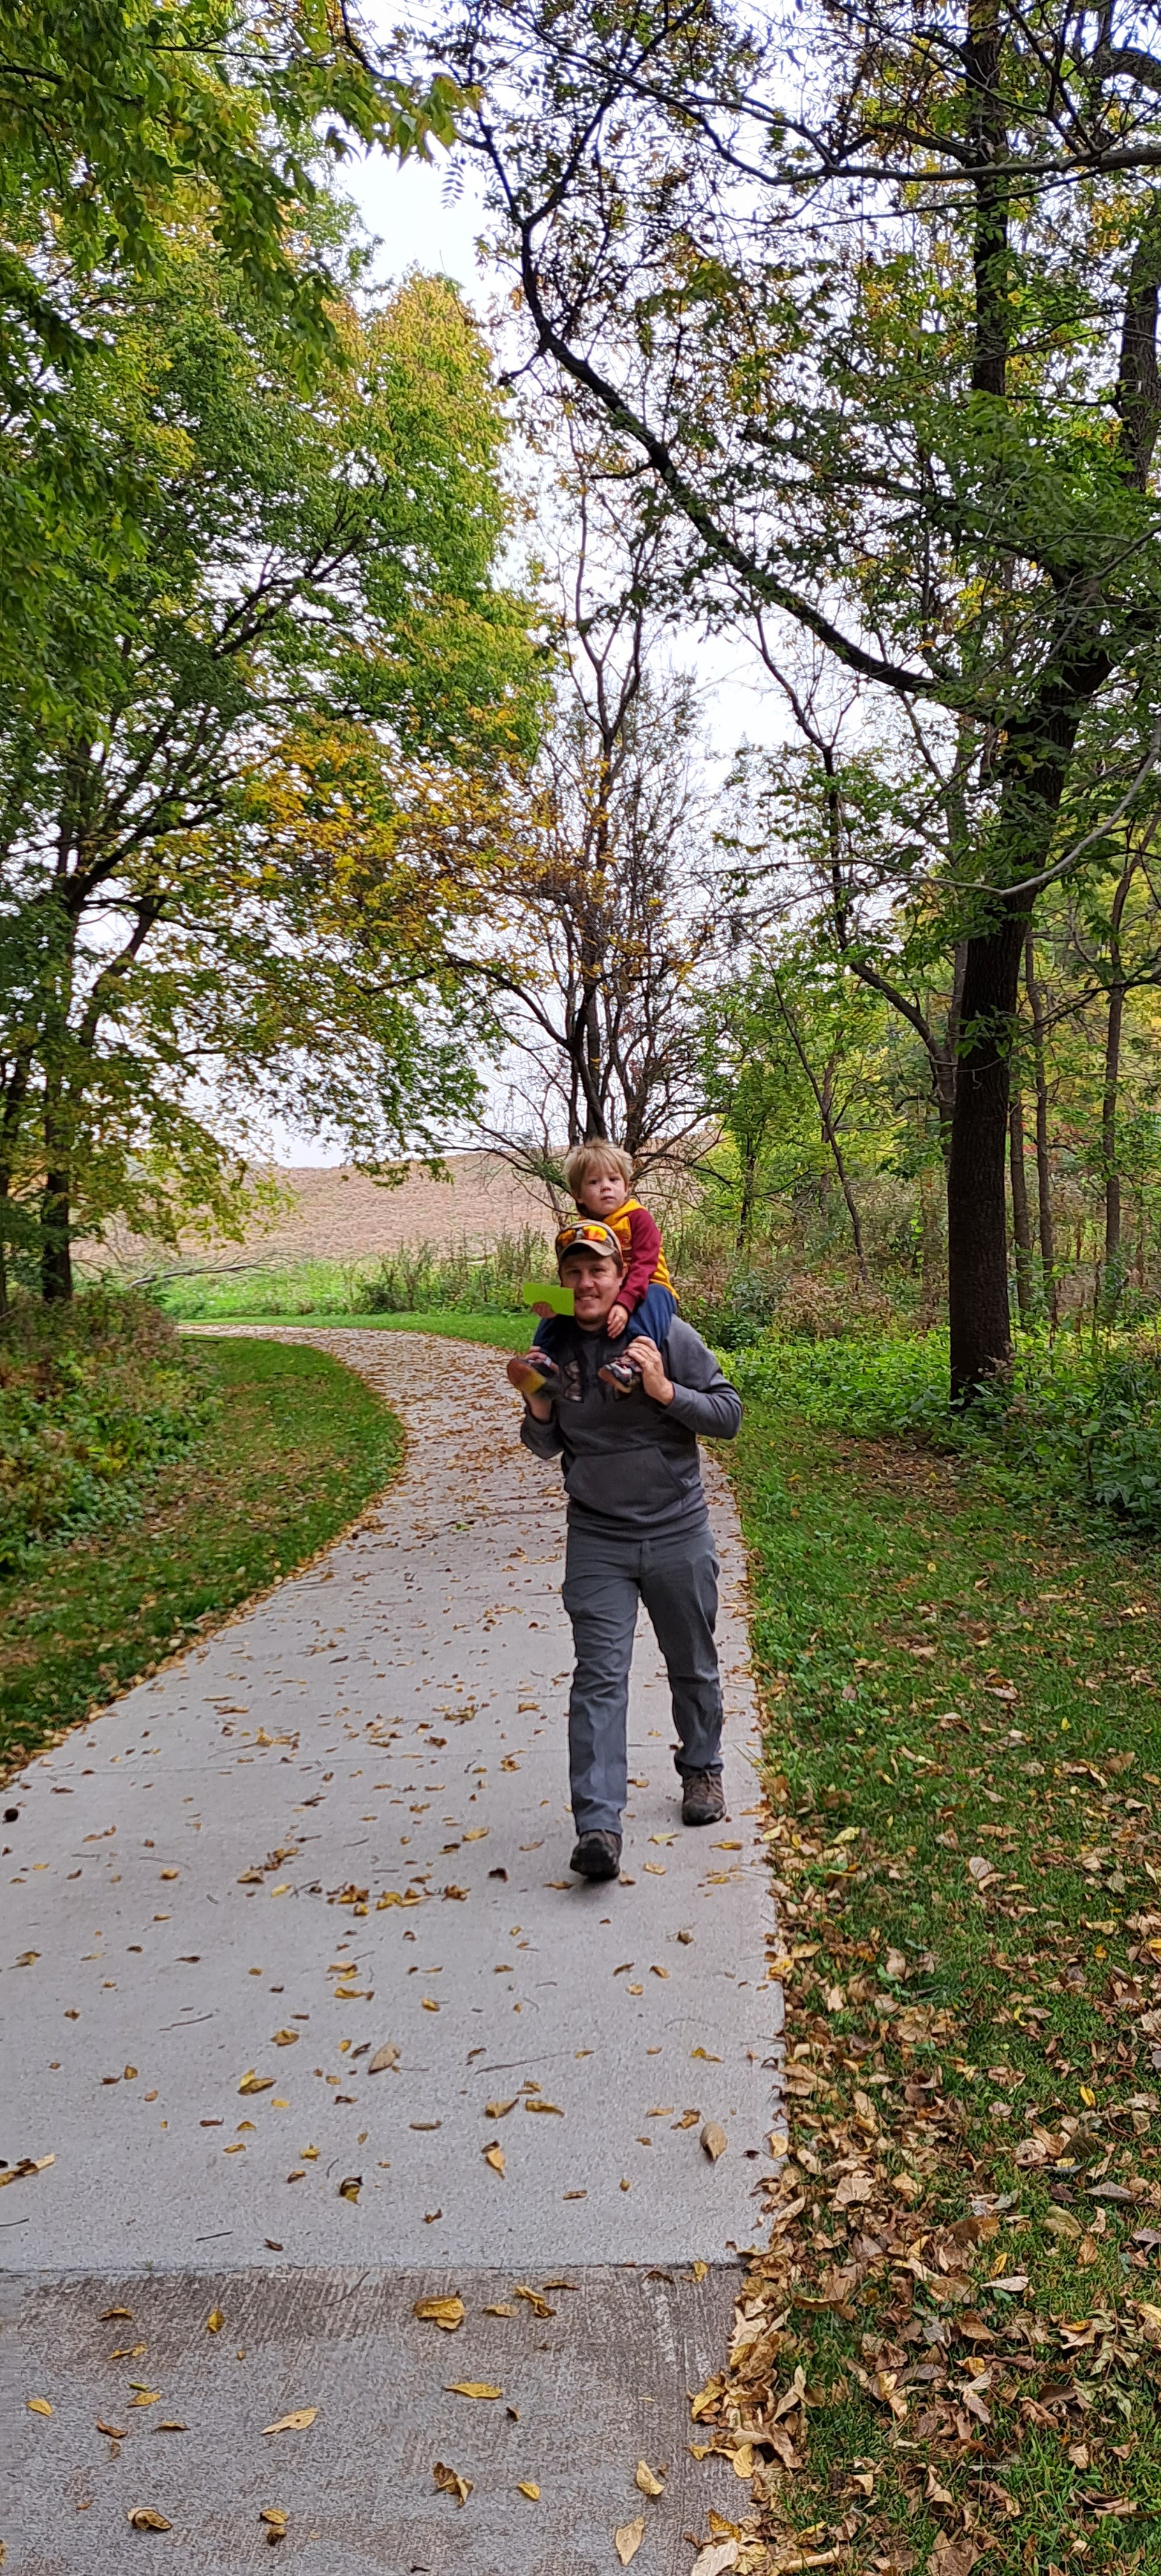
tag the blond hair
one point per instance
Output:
(596, 1156)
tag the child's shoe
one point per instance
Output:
(538, 1375)
(622, 1373)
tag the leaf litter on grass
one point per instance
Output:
(946, 2352)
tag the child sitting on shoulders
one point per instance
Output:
(599, 1176)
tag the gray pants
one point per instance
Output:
(604, 1579)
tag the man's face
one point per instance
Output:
(594, 1280)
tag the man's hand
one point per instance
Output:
(540, 1406)
(652, 1367)
(615, 1322)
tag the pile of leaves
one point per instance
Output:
(94, 1397)
(949, 2352)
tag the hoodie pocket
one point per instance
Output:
(626, 1484)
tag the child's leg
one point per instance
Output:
(654, 1315)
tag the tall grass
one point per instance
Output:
(94, 1397)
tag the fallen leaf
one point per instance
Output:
(688, 2120)
(116, 2432)
(725, 1846)
(252, 2083)
(699, 2269)
(350, 2187)
(450, 2482)
(854, 2187)
(720, 2555)
(430, 2004)
(274, 2516)
(26, 2165)
(628, 2539)
(528, 2487)
(145, 2517)
(472, 2388)
(386, 2056)
(448, 2313)
(475, 1834)
(215, 2321)
(108, 2313)
(296, 2423)
(146, 2396)
(38, 2406)
(167, 1873)
(714, 2141)
(285, 2038)
(494, 2156)
(704, 2052)
(534, 2103)
(500, 2110)
(648, 2481)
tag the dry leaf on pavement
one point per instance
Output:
(534, 2103)
(714, 2561)
(285, 2038)
(386, 2056)
(450, 2482)
(39, 2406)
(494, 2156)
(215, 2321)
(252, 2083)
(145, 2517)
(274, 2516)
(472, 2388)
(448, 2313)
(648, 2480)
(296, 2423)
(528, 2487)
(628, 2539)
(350, 2187)
(714, 2141)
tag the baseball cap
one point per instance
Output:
(586, 1235)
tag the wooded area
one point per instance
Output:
(356, 765)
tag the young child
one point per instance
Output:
(598, 1176)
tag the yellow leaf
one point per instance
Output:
(167, 1873)
(39, 2406)
(285, 2038)
(646, 2478)
(528, 2487)
(628, 2539)
(108, 2313)
(350, 2187)
(215, 2321)
(145, 2517)
(725, 1847)
(714, 2141)
(429, 2003)
(252, 2083)
(146, 2397)
(450, 2482)
(500, 2110)
(274, 2515)
(494, 2156)
(472, 2388)
(534, 2103)
(296, 2423)
(448, 2313)
(475, 1834)
(704, 2052)
(699, 2269)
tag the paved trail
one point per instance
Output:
(340, 1828)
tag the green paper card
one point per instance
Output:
(547, 1292)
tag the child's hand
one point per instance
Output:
(546, 1313)
(615, 1322)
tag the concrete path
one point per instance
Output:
(301, 1998)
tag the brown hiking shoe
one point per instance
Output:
(597, 1855)
(703, 1799)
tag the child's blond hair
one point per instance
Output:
(596, 1156)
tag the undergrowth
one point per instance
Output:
(95, 1397)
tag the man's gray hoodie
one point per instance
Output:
(631, 1467)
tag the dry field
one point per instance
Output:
(338, 1214)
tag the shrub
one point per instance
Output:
(94, 1397)
(417, 1280)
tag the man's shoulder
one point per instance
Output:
(685, 1345)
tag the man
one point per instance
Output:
(637, 1531)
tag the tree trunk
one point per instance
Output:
(749, 1195)
(56, 1260)
(1021, 1220)
(1109, 1096)
(977, 1201)
(1051, 1285)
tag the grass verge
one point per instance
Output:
(295, 1446)
(951, 2350)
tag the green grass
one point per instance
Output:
(295, 1446)
(949, 1680)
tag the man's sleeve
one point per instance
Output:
(702, 1398)
(543, 1438)
(644, 1246)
